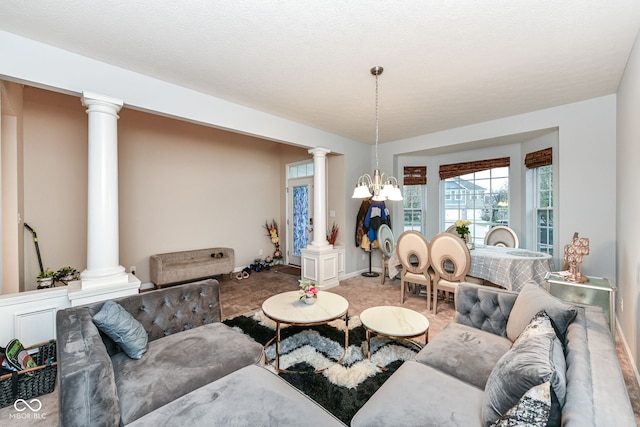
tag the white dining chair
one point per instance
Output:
(386, 244)
(502, 236)
(413, 252)
(450, 260)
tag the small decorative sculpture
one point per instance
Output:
(573, 253)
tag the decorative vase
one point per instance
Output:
(309, 300)
(470, 245)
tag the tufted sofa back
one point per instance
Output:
(168, 311)
(483, 308)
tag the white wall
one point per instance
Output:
(628, 202)
(586, 168)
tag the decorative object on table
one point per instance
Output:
(308, 291)
(380, 188)
(272, 228)
(573, 253)
(333, 234)
(462, 228)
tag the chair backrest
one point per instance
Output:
(502, 236)
(413, 244)
(385, 240)
(452, 229)
(449, 257)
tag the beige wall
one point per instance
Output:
(55, 183)
(182, 186)
(11, 172)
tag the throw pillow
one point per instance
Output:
(539, 325)
(536, 358)
(119, 325)
(532, 410)
(532, 299)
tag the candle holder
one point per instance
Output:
(573, 254)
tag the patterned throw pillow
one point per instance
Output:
(535, 357)
(532, 410)
(119, 325)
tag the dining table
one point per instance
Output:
(509, 268)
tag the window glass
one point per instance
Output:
(543, 181)
(481, 197)
(413, 203)
(302, 170)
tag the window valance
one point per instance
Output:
(415, 175)
(457, 169)
(538, 158)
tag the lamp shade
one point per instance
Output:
(361, 192)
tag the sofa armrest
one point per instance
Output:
(87, 389)
(484, 307)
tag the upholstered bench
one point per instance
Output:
(187, 266)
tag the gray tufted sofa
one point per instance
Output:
(446, 383)
(196, 370)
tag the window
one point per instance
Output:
(413, 207)
(481, 194)
(543, 178)
(301, 170)
(415, 180)
(540, 163)
(485, 202)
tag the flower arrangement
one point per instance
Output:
(272, 228)
(462, 227)
(331, 237)
(308, 289)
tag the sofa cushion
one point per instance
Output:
(251, 396)
(178, 364)
(464, 352)
(419, 395)
(119, 325)
(534, 359)
(533, 299)
(532, 410)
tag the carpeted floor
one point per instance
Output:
(246, 296)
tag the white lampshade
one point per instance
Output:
(361, 192)
(395, 195)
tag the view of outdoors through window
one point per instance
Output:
(413, 207)
(544, 208)
(480, 197)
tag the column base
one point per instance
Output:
(321, 265)
(89, 291)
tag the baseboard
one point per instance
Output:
(147, 286)
(628, 351)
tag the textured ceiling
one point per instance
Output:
(447, 63)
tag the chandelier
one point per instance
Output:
(381, 186)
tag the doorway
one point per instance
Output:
(299, 217)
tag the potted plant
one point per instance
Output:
(66, 274)
(45, 278)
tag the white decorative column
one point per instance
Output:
(104, 277)
(320, 259)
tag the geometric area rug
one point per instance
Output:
(340, 388)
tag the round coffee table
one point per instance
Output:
(287, 308)
(394, 322)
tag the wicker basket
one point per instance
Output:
(34, 382)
